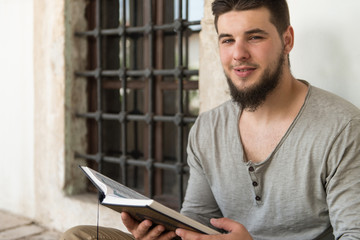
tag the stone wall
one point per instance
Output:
(59, 95)
(212, 84)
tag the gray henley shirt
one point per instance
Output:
(308, 188)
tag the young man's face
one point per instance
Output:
(252, 54)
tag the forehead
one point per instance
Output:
(245, 20)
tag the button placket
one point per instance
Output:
(255, 183)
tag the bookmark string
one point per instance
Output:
(97, 221)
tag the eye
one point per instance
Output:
(227, 41)
(256, 38)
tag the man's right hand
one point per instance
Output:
(144, 231)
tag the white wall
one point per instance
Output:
(327, 49)
(17, 106)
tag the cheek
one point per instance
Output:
(266, 55)
(225, 57)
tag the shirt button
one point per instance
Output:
(257, 198)
(251, 169)
(255, 184)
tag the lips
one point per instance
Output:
(244, 71)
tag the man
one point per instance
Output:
(279, 161)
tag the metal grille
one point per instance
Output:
(141, 88)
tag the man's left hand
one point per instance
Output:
(236, 231)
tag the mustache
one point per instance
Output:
(247, 64)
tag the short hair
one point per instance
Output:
(279, 10)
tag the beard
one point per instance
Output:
(252, 97)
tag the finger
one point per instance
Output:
(167, 236)
(232, 227)
(226, 224)
(142, 229)
(128, 221)
(138, 229)
(156, 232)
(186, 234)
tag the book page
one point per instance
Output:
(113, 187)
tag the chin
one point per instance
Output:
(244, 84)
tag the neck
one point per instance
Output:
(283, 102)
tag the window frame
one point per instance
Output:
(153, 73)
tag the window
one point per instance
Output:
(142, 78)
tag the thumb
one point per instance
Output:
(226, 224)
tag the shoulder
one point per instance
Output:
(214, 124)
(328, 105)
(326, 118)
(224, 114)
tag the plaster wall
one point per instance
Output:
(17, 107)
(326, 51)
(59, 95)
(213, 89)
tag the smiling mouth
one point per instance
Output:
(244, 72)
(245, 69)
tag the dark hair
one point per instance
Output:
(279, 11)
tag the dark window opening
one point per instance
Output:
(143, 92)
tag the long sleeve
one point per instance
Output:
(343, 183)
(199, 203)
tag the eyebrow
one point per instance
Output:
(256, 30)
(224, 35)
(249, 32)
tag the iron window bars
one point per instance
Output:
(131, 63)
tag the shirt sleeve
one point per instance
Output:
(199, 203)
(343, 183)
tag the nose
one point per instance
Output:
(241, 52)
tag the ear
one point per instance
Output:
(288, 39)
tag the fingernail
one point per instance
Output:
(178, 232)
(161, 228)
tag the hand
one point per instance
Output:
(236, 231)
(143, 231)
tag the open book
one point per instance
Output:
(123, 199)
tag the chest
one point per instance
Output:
(281, 184)
(260, 142)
